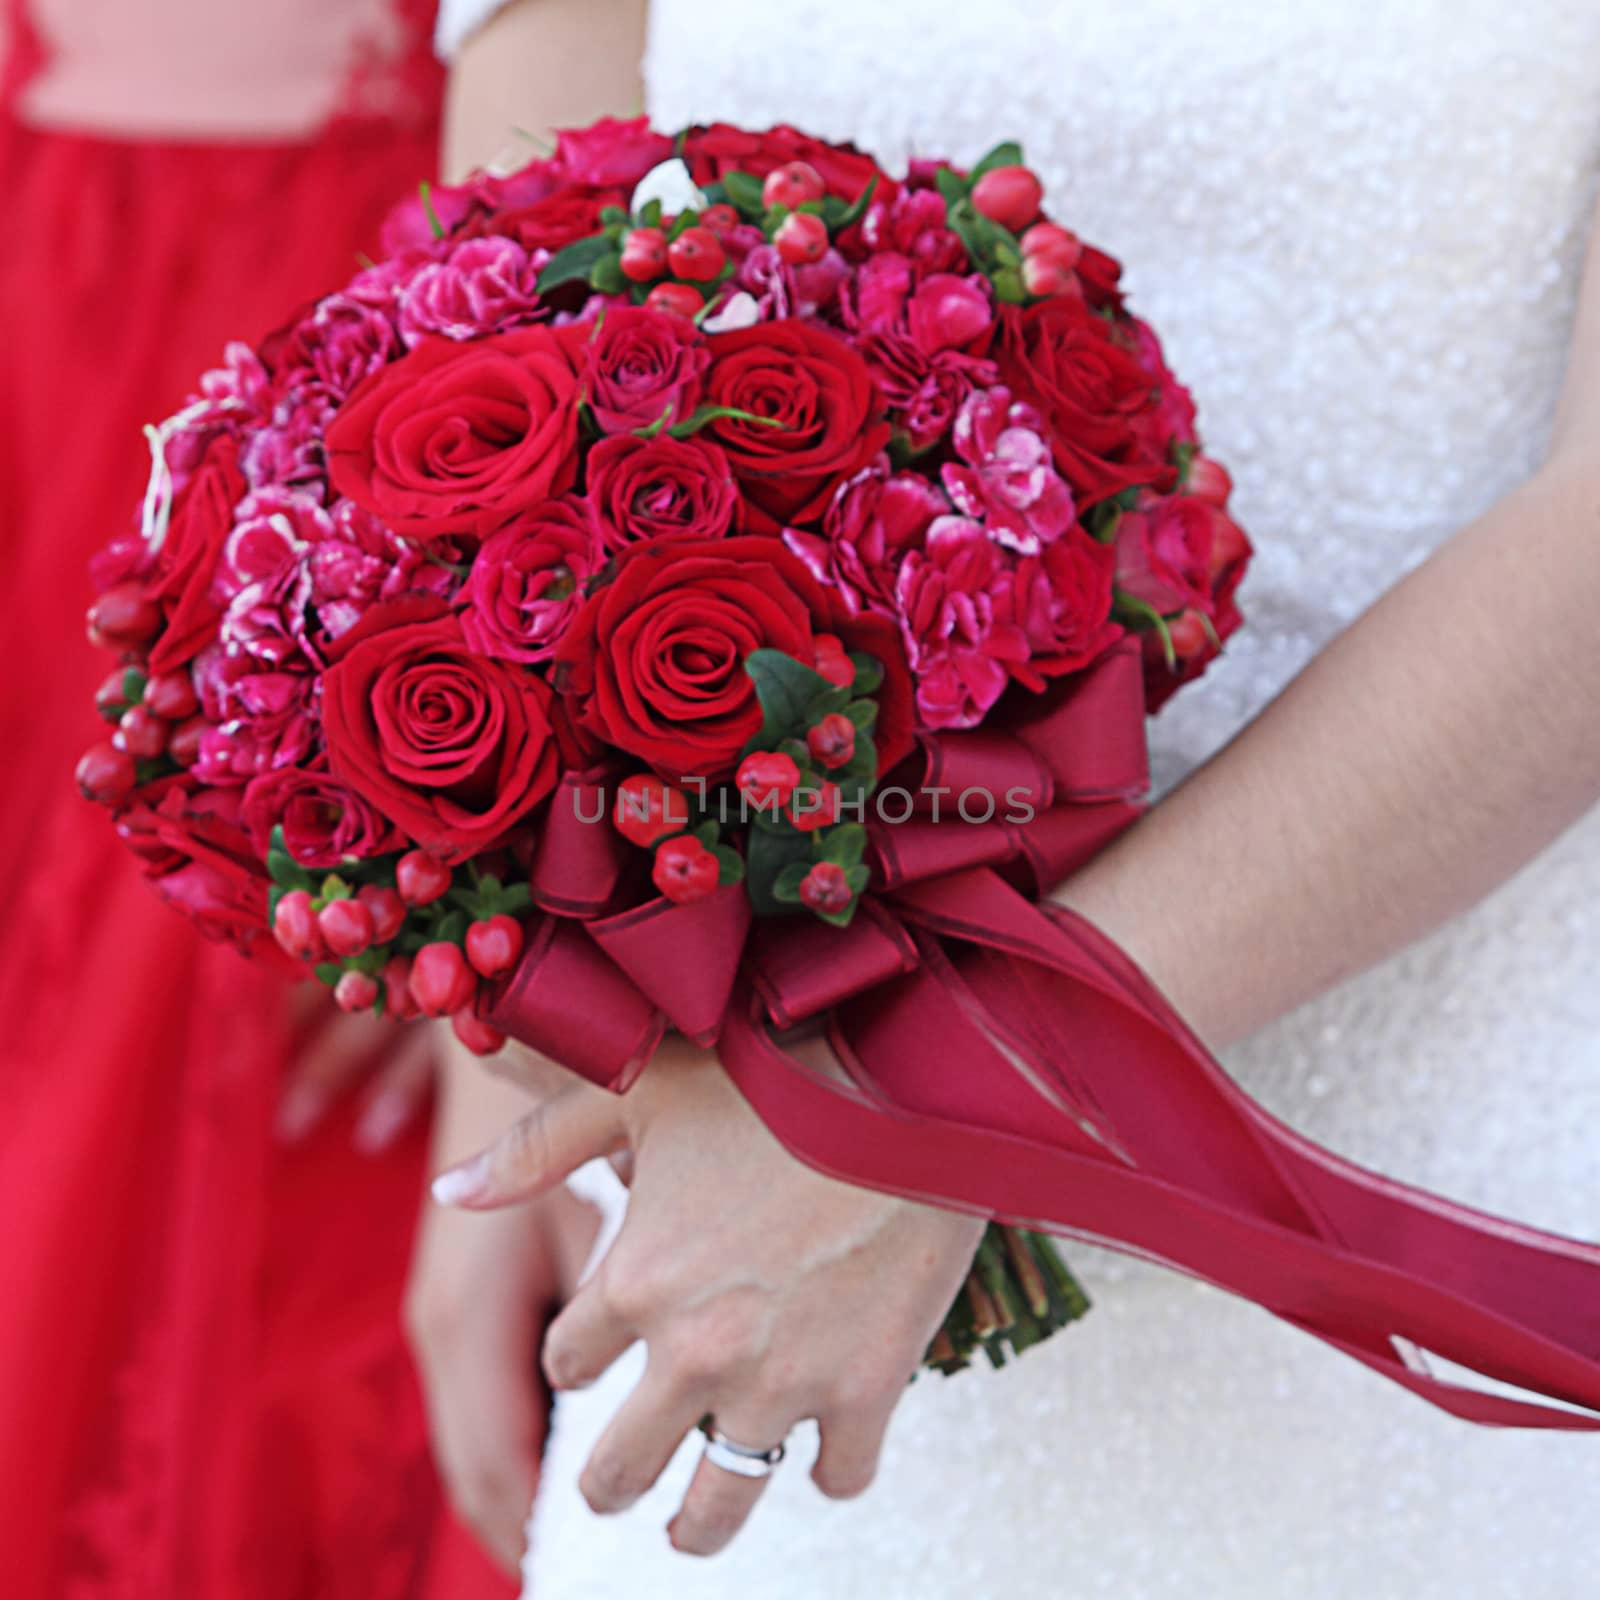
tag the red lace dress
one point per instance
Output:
(204, 1392)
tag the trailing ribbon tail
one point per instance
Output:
(1026, 1070)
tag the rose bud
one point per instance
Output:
(111, 698)
(346, 925)
(815, 808)
(1209, 481)
(685, 871)
(475, 1033)
(794, 184)
(767, 779)
(397, 997)
(802, 239)
(1045, 241)
(1009, 196)
(677, 299)
(1042, 277)
(355, 991)
(141, 733)
(494, 945)
(825, 888)
(720, 219)
(696, 254)
(124, 617)
(421, 878)
(644, 255)
(833, 741)
(294, 926)
(171, 695)
(441, 981)
(106, 774)
(832, 661)
(387, 908)
(184, 745)
(647, 810)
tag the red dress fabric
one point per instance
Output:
(204, 1388)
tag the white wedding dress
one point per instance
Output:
(1358, 225)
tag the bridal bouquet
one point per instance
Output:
(606, 603)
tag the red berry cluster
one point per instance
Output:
(421, 946)
(155, 717)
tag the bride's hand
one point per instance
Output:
(765, 1292)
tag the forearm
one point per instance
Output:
(1428, 753)
(535, 66)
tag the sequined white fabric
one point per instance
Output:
(1358, 228)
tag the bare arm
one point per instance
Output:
(539, 65)
(1433, 749)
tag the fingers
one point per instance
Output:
(720, 1500)
(556, 1138)
(587, 1337)
(331, 1059)
(852, 1442)
(639, 1442)
(400, 1093)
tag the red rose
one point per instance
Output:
(323, 821)
(1095, 396)
(720, 148)
(826, 418)
(1164, 549)
(201, 862)
(660, 488)
(555, 221)
(527, 581)
(202, 515)
(610, 151)
(637, 363)
(455, 437)
(452, 747)
(1063, 599)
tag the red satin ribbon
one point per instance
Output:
(1006, 1059)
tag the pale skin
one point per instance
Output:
(1434, 748)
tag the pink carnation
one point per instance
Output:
(483, 286)
(1009, 480)
(959, 624)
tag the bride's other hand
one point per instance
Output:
(391, 1067)
(765, 1292)
(481, 1291)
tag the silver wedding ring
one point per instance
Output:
(740, 1459)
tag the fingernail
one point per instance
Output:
(381, 1122)
(298, 1113)
(469, 1181)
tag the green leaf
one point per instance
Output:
(650, 217)
(698, 418)
(869, 673)
(1143, 617)
(952, 186)
(864, 714)
(684, 220)
(133, 681)
(282, 867)
(857, 207)
(845, 844)
(329, 972)
(614, 216)
(435, 226)
(786, 690)
(576, 262)
(605, 276)
(858, 877)
(1009, 288)
(786, 886)
(707, 833)
(744, 192)
(1008, 154)
(839, 919)
(730, 865)
(767, 854)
